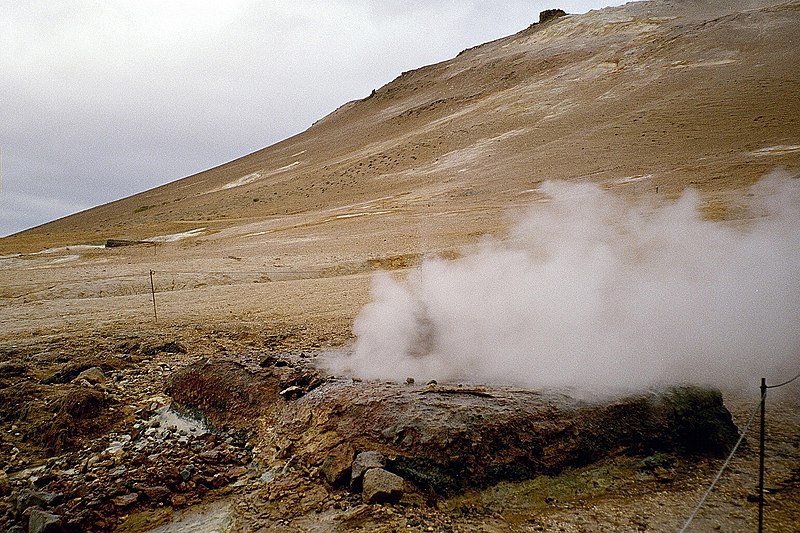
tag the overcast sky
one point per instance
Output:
(102, 99)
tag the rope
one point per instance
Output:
(724, 466)
(784, 383)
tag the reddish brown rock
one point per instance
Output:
(335, 468)
(381, 486)
(126, 500)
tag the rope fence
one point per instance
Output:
(761, 406)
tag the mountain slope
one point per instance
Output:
(649, 95)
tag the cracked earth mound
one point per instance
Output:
(444, 438)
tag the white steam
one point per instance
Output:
(589, 292)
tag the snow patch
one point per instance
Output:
(71, 248)
(364, 214)
(173, 237)
(634, 179)
(778, 150)
(244, 180)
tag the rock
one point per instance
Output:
(362, 463)
(114, 451)
(217, 481)
(381, 486)
(167, 347)
(5, 485)
(44, 522)
(93, 376)
(269, 360)
(179, 500)
(155, 494)
(34, 498)
(550, 14)
(126, 499)
(409, 380)
(354, 513)
(12, 368)
(292, 393)
(235, 472)
(187, 472)
(116, 243)
(117, 472)
(210, 456)
(336, 467)
(45, 499)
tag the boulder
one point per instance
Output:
(44, 522)
(35, 498)
(550, 14)
(381, 486)
(363, 463)
(93, 376)
(335, 468)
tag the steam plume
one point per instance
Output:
(592, 293)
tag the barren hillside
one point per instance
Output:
(652, 94)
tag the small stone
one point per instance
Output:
(336, 467)
(5, 485)
(217, 481)
(235, 472)
(44, 522)
(187, 472)
(292, 393)
(115, 450)
(381, 486)
(362, 463)
(126, 500)
(354, 513)
(211, 456)
(155, 494)
(409, 381)
(178, 500)
(34, 498)
(93, 376)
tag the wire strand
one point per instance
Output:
(784, 383)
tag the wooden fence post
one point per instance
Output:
(153, 292)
